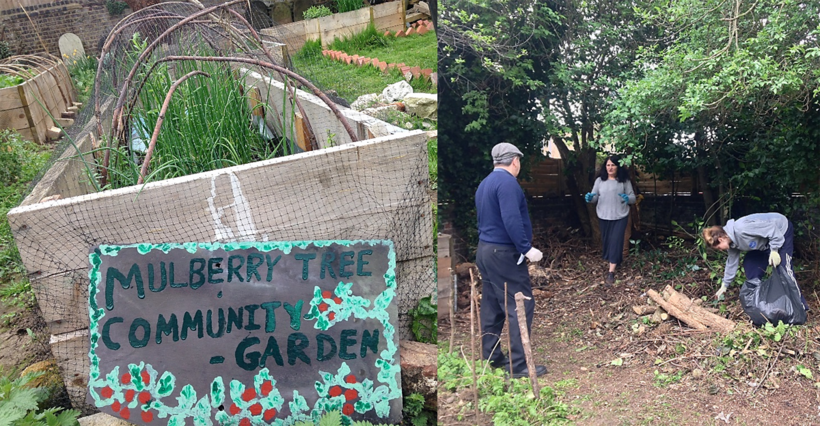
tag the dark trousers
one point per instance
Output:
(498, 266)
(612, 236)
(756, 261)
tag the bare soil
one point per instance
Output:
(670, 374)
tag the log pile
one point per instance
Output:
(688, 311)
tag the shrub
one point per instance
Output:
(316, 12)
(5, 50)
(115, 8)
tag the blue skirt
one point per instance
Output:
(612, 236)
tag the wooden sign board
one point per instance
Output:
(244, 333)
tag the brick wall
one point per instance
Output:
(88, 19)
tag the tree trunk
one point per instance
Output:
(577, 166)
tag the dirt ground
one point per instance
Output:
(670, 374)
(23, 339)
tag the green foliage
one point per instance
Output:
(115, 8)
(514, 405)
(432, 156)
(332, 418)
(316, 12)
(19, 404)
(7, 80)
(83, 70)
(5, 49)
(348, 5)
(425, 321)
(663, 380)
(414, 412)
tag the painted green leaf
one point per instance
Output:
(166, 384)
(187, 397)
(217, 392)
(331, 418)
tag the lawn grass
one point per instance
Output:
(350, 81)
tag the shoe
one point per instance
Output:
(540, 370)
(503, 363)
(610, 278)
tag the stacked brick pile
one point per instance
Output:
(409, 73)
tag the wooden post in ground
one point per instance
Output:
(507, 319)
(472, 341)
(525, 340)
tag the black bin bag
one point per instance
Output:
(775, 299)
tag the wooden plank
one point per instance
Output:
(55, 237)
(388, 16)
(23, 92)
(10, 98)
(302, 139)
(14, 119)
(293, 34)
(341, 25)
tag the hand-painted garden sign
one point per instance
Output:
(244, 333)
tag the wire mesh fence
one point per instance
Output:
(190, 135)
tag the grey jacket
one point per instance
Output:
(610, 205)
(759, 231)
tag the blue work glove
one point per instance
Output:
(588, 197)
(625, 198)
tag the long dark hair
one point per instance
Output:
(622, 174)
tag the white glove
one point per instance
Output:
(534, 255)
(720, 292)
(774, 258)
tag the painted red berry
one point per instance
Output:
(350, 378)
(245, 422)
(326, 294)
(267, 387)
(115, 406)
(125, 413)
(335, 391)
(144, 397)
(248, 395)
(270, 414)
(331, 316)
(322, 307)
(107, 392)
(255, 409)
(145, 377)
(147, 416)
(337, 300)
(351, 394)
(126, 378)
(129, 395)
(347, 409)
(234, 410)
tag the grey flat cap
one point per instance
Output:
(505, 151)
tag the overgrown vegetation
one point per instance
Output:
(19, 404)
(414, 413)
(314, 12)
(115, 7)
(512, 404)
(352, 81)
(424, 321)
(5, 49)
(7, 80)
(20, 161)
(82, 69)
(348, 5)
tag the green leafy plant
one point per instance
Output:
(82, 71)
(414, 412)
(314, 12)
(348, 5)
(663, 380)
(115, 8)
(7, 80)
(425, 321)
(19, 404)
(331, 418)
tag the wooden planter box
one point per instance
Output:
(21, 111)
(377, 187)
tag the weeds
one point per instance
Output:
(82, 71)
(513, 405)
(348, 5)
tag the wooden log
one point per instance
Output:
(644, 309)
(418, 370)
(703, 316)
(677, 313)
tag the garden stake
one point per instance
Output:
(452, 320)
(525, 340)
(160, 119)
(472, 341)
(507, 317)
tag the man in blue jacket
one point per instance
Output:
(504, 241)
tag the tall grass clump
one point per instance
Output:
(369, 38)
(207, 126)
(348, 5)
